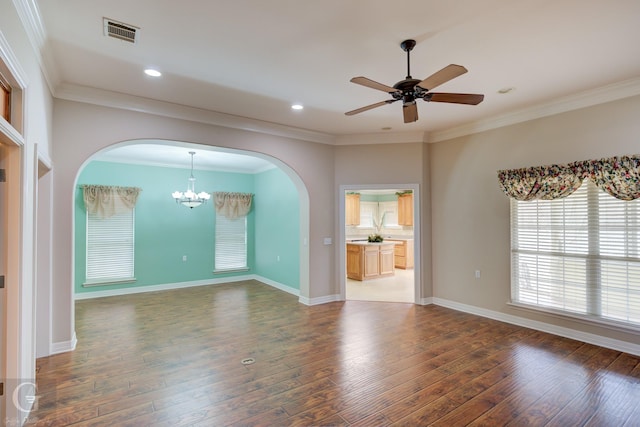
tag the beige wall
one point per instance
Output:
(470, 215)
(405, 163)
(80, 130)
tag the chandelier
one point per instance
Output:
(189, 198)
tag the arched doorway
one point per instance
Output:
(173, 155)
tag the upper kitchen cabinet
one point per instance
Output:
(405, 209)
(352, 209)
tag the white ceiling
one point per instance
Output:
(175, 154)
(254, 58)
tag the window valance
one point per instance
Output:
(619, 176)
(232, 205)
(106, 201)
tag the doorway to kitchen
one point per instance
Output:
(379, 243)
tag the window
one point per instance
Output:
(5, 99)
(110, 248)
(579, 254)
(231, 244)
(368, 211)
(389, 214)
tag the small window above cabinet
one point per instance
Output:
(405, 209)
(352, 209)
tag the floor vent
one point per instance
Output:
(121, 31)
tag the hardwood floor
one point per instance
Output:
(174, 358)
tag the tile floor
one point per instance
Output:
(397, 288)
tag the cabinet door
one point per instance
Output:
(386, 260)
(371, 261)
(405, 209)
(355, 262)
(352, 209)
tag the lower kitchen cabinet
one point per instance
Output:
(370, 260)
(403, 256)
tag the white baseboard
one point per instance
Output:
(63, 346)
(426, 301)
(162, 287)
(320, 300)
(277, 285)
(181, 285)
(599, 340)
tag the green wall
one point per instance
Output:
(277, 228)
(166, 231)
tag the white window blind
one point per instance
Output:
(110, 248)
(231, 244)
(579, 254)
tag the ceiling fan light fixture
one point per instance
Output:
(410, 89)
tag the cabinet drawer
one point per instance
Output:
(401, 250)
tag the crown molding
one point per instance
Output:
(36, 33)
(381, 138)
(585, 99)
(90, 95)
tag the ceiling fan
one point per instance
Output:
(410, 89)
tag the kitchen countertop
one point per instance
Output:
(365, 243)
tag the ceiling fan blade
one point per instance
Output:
(454, 98)
(372, 84)
(410, 112)
(449, 72)
(369, 107)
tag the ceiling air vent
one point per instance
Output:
(121, 31)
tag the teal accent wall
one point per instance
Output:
(164, 230)
(277, 228)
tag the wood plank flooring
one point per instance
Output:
(174, 358)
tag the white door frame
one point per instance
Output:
(342, 256)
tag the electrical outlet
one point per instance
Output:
(184, 258)
(477, 274)
(278, 258)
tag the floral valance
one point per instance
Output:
(232, 205)
(618, 176)
(106, 201)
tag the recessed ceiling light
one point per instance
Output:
(153, 73)
(297, 107)
(506, 90)
(386, 128)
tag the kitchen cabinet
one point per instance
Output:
(405, 209)
(370, 260)
(403, 253)
(352, 209)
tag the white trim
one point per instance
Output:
(36, 33)
(161, 287)
(381, 138)
(587, 337)
(320, 300)
(585, 99)
(426, 301)
(277, 285)
(123, 101)
(417, 235)
(181, 285)
(63, 346)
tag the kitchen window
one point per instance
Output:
(578, 255)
